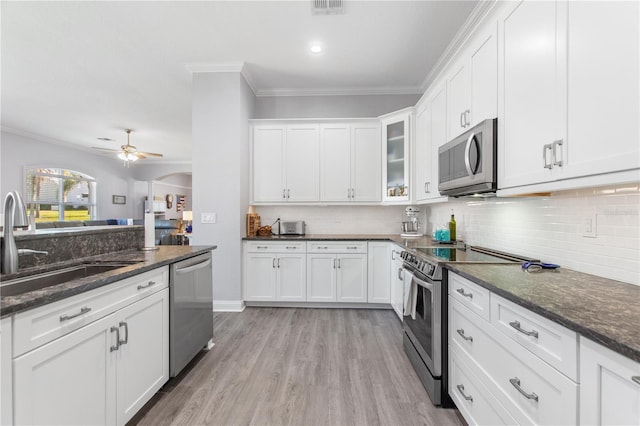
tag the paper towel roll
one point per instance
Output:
(149, 230)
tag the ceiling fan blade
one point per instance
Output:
(149, 154)
(106, 149)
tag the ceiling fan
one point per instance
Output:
(129, 152)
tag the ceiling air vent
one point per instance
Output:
(327, 7)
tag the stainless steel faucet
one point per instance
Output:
(15, 215)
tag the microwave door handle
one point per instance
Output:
(467, 154)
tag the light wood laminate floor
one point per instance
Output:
(288, 366)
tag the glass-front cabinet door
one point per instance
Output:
(396, 133)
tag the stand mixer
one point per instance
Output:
(411, 227)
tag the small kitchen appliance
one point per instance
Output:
(292, 228)
(411, 226)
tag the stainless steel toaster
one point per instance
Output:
(292, 228)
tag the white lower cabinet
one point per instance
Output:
(101, 373)
(275, 272)
(378, 273)
(337, 277)
(609, 386)
(397, 282)
(517, 378)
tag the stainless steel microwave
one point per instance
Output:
(467, 164)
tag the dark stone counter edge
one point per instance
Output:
(92, 284)
(600, 338)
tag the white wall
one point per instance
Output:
(346, 106)
(551, 228)
(18, 152)
(222, 106)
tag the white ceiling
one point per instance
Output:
(76, 71)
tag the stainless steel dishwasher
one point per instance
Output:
(190, 310)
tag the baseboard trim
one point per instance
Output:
(228, 306)
(328, 305)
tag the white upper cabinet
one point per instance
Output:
(396, 135)
(472, 84)
(302, 165)
(603, 88)
(431, 133)
(268, 163)
(531, 92)
(350, 162)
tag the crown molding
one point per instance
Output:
(39, 138)
(390, 90)
(475, 18)
(213, 67)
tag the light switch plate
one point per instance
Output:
(208, 218)
(589, 224)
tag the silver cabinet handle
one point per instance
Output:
(291, 248)
(464, 336)
(547, 165)
(353, 193)
(467, 155)
(467, 122)
(117, 346)
(284, 194)
(262, 247)
(393, 252)
(462, 119)
(149, 284)
(636, 379)
(556, 144)
(516, 384)
(352, 247)
(427, 190)
(400, 277)
(278, 263)
(334, 263)
(348, 193)
(516, 325)
(288, 193)
(83, 311)
(273, 263)
(126, 333)
(462, 292)
(338, 263)
(464, 395)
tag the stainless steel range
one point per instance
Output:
(425, 316)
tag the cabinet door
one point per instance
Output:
(260, 277)
(321, 277)
(292, 276)
(366, 162)
(458, 94)
(71, 380)
(483, 67)
(438, 136)
(302, 163)
(268, 163)
(395, 172)
(143, 354)
(609, 386)
(422, 185)
(603, 88)
(351, 282)
(532, 90)
(397, 282)
(379, 273)
(335, 162)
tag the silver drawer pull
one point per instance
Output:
(516, 384)
(464, 336)
(126, 333)
(516, 325)
(461, 291)
(291, 248)
(464, 395)
(323, 248)
(68, 317)
(636, 379)
(352, 247)
(117, 346)
(142, 287)
(262, 247)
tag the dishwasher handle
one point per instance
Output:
(193, 267)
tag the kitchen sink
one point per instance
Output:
(47, 279)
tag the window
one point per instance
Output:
(60, 195)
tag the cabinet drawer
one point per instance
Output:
(530, 389)
(466, 328)
(476, 404)
(277, 247)
(470, 294)
(337, 247)
(552, 342)
(41, 325)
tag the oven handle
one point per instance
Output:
(423, 283)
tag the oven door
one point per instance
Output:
(424, 330)
(467, 163)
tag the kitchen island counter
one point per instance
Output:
(603, 310)
(144, 261)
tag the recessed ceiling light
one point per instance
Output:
(316, 48)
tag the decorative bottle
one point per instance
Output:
(452, 227)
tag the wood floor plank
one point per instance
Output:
(297, 366)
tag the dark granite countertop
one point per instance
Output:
(407, 242)
(600, 309)
(147, 260)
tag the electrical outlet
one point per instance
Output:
(208, 218)
(589, 224)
